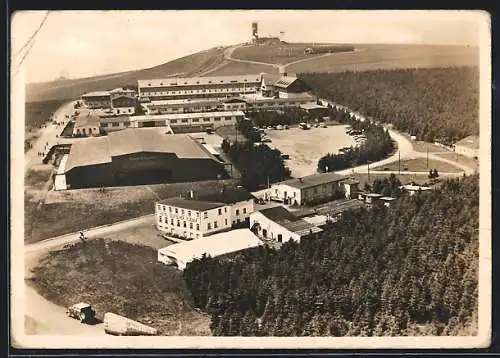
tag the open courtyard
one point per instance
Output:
(306, 147)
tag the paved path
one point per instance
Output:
(48, 135)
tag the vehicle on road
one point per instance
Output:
(210, 131)
(323, 125)
(81, 311)
(304, 126)
(286, 126)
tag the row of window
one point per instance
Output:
(197, 120)
(190, 89)
(164, 220)
(182, 211)
(115, 124)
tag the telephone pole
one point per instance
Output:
(427, 157)
(399, 162)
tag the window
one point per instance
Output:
(197, 226)
(195, 120)
(225, 222)
(160, 219)
(184, 121)
(225, 210)
(264, 232)
(173, 121)
(104, 125)
(115, 124)
(209, 226)
(176, 210)
(206, 119)
(237, 212)
(184, 224)
(244, 210)
(170, 209)
(190, 225)
(238, 221)
(205, 215)
(215, 224)
(217, 119)
(182, 211)
(280, 238)
(172, 222)
(197, 214)
(178, 223)
(220, 211)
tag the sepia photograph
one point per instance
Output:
(250, 179)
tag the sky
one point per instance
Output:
(78, 44)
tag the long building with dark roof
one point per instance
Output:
(139, 156)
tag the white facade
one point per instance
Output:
(123, 110)
(293, 195)
(241, 211)
(191, 223)
(270, 230)
(286, 193)
(213, 119)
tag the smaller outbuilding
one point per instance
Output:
(87, 125)
(277, 224)
(469, 147)
(413, 189)
(216, 245)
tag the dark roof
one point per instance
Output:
(313, 180)
(278, 214)
(191, 204)
(288, 220)
(227, 196)
(234, 100)
(285, 81)
(270, 79)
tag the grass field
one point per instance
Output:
(461, 159)
(63, 212)
(242, 68)
(363, 178)
(372, 57)
(275, 54)
(305, 147)
(122, 278)
(420, 165)
(421, 146)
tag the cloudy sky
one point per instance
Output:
(87, 43)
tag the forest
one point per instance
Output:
(258, 165)
(411, 269)
(438, 104)
(378, 145)
(287, 116)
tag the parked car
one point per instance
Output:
(323, 125)
(81, 311)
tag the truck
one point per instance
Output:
(81, 311)
(122, 326)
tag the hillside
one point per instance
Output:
(432, 104)
(190, 65)
(408, 270)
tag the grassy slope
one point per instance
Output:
(70, 89)
(121, 278)
(371, 57)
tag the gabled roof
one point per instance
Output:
(270, 79)
(190, 204)
(99, 150)
(289, 221)
(313, 180)
(469, 142)
(285, 81)
(192, 81)
(87, 121)
(97, 94)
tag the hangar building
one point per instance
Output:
(139, 156)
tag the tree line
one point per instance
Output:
(258, 164)
(438, 104)
(378, 145)
(405, 270)
(287, 116)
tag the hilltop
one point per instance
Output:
(251, 59)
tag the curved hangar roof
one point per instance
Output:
(100, 150)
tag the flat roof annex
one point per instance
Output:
(214, 245)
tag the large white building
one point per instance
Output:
(280, 225)
(198, 87)
(469, 146)
(311, 188)
(192, 219)
(202, 215)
